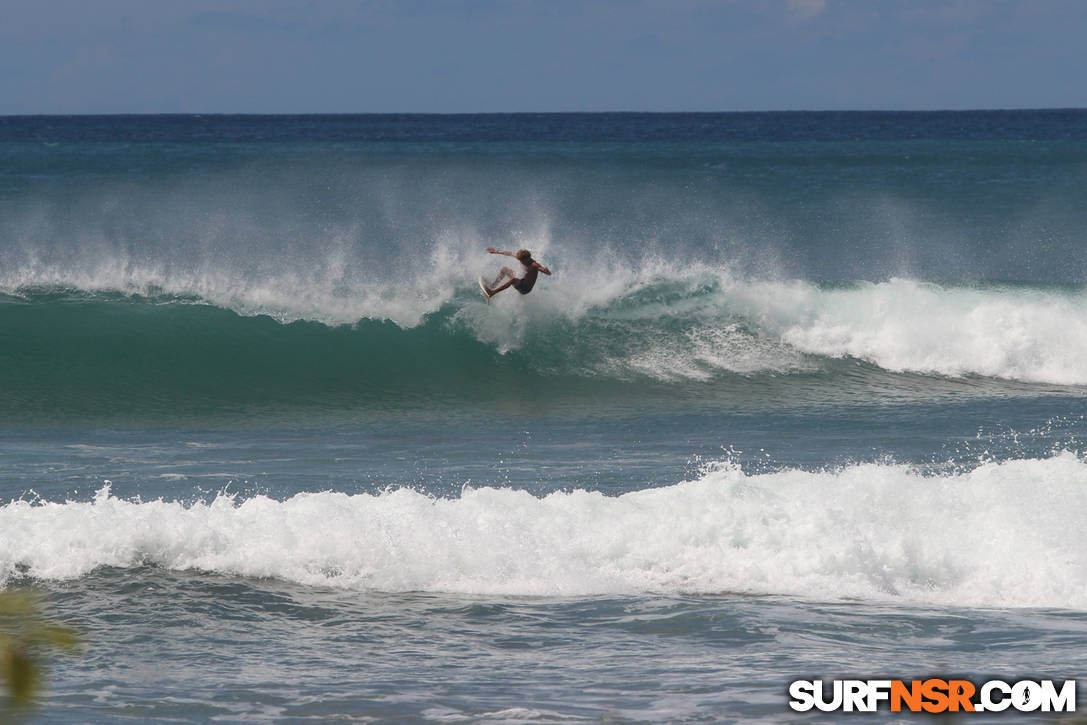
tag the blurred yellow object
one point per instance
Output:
(23, 634)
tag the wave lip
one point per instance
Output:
(1002, 534)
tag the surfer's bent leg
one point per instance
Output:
(506, 272)
(495, 290)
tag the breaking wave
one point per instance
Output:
(1005, 533)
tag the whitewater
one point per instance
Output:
(1004, 534)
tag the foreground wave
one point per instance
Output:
(1002, 534)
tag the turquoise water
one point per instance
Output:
(803, 398)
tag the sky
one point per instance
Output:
(468, 56)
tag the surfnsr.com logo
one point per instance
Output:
(933, 695)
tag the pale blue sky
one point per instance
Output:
(451, 56)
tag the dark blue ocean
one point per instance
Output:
(803, 398)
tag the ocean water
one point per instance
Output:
(804, 398)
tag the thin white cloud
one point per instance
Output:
(805, 9)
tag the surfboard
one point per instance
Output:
(483, 288)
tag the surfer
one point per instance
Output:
(522, 284)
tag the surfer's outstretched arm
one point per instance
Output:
(492, 250)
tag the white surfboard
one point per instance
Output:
(483, 288)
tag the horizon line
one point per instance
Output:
(115, 114)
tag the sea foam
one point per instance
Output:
(1002, 534)
(1031, 334)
